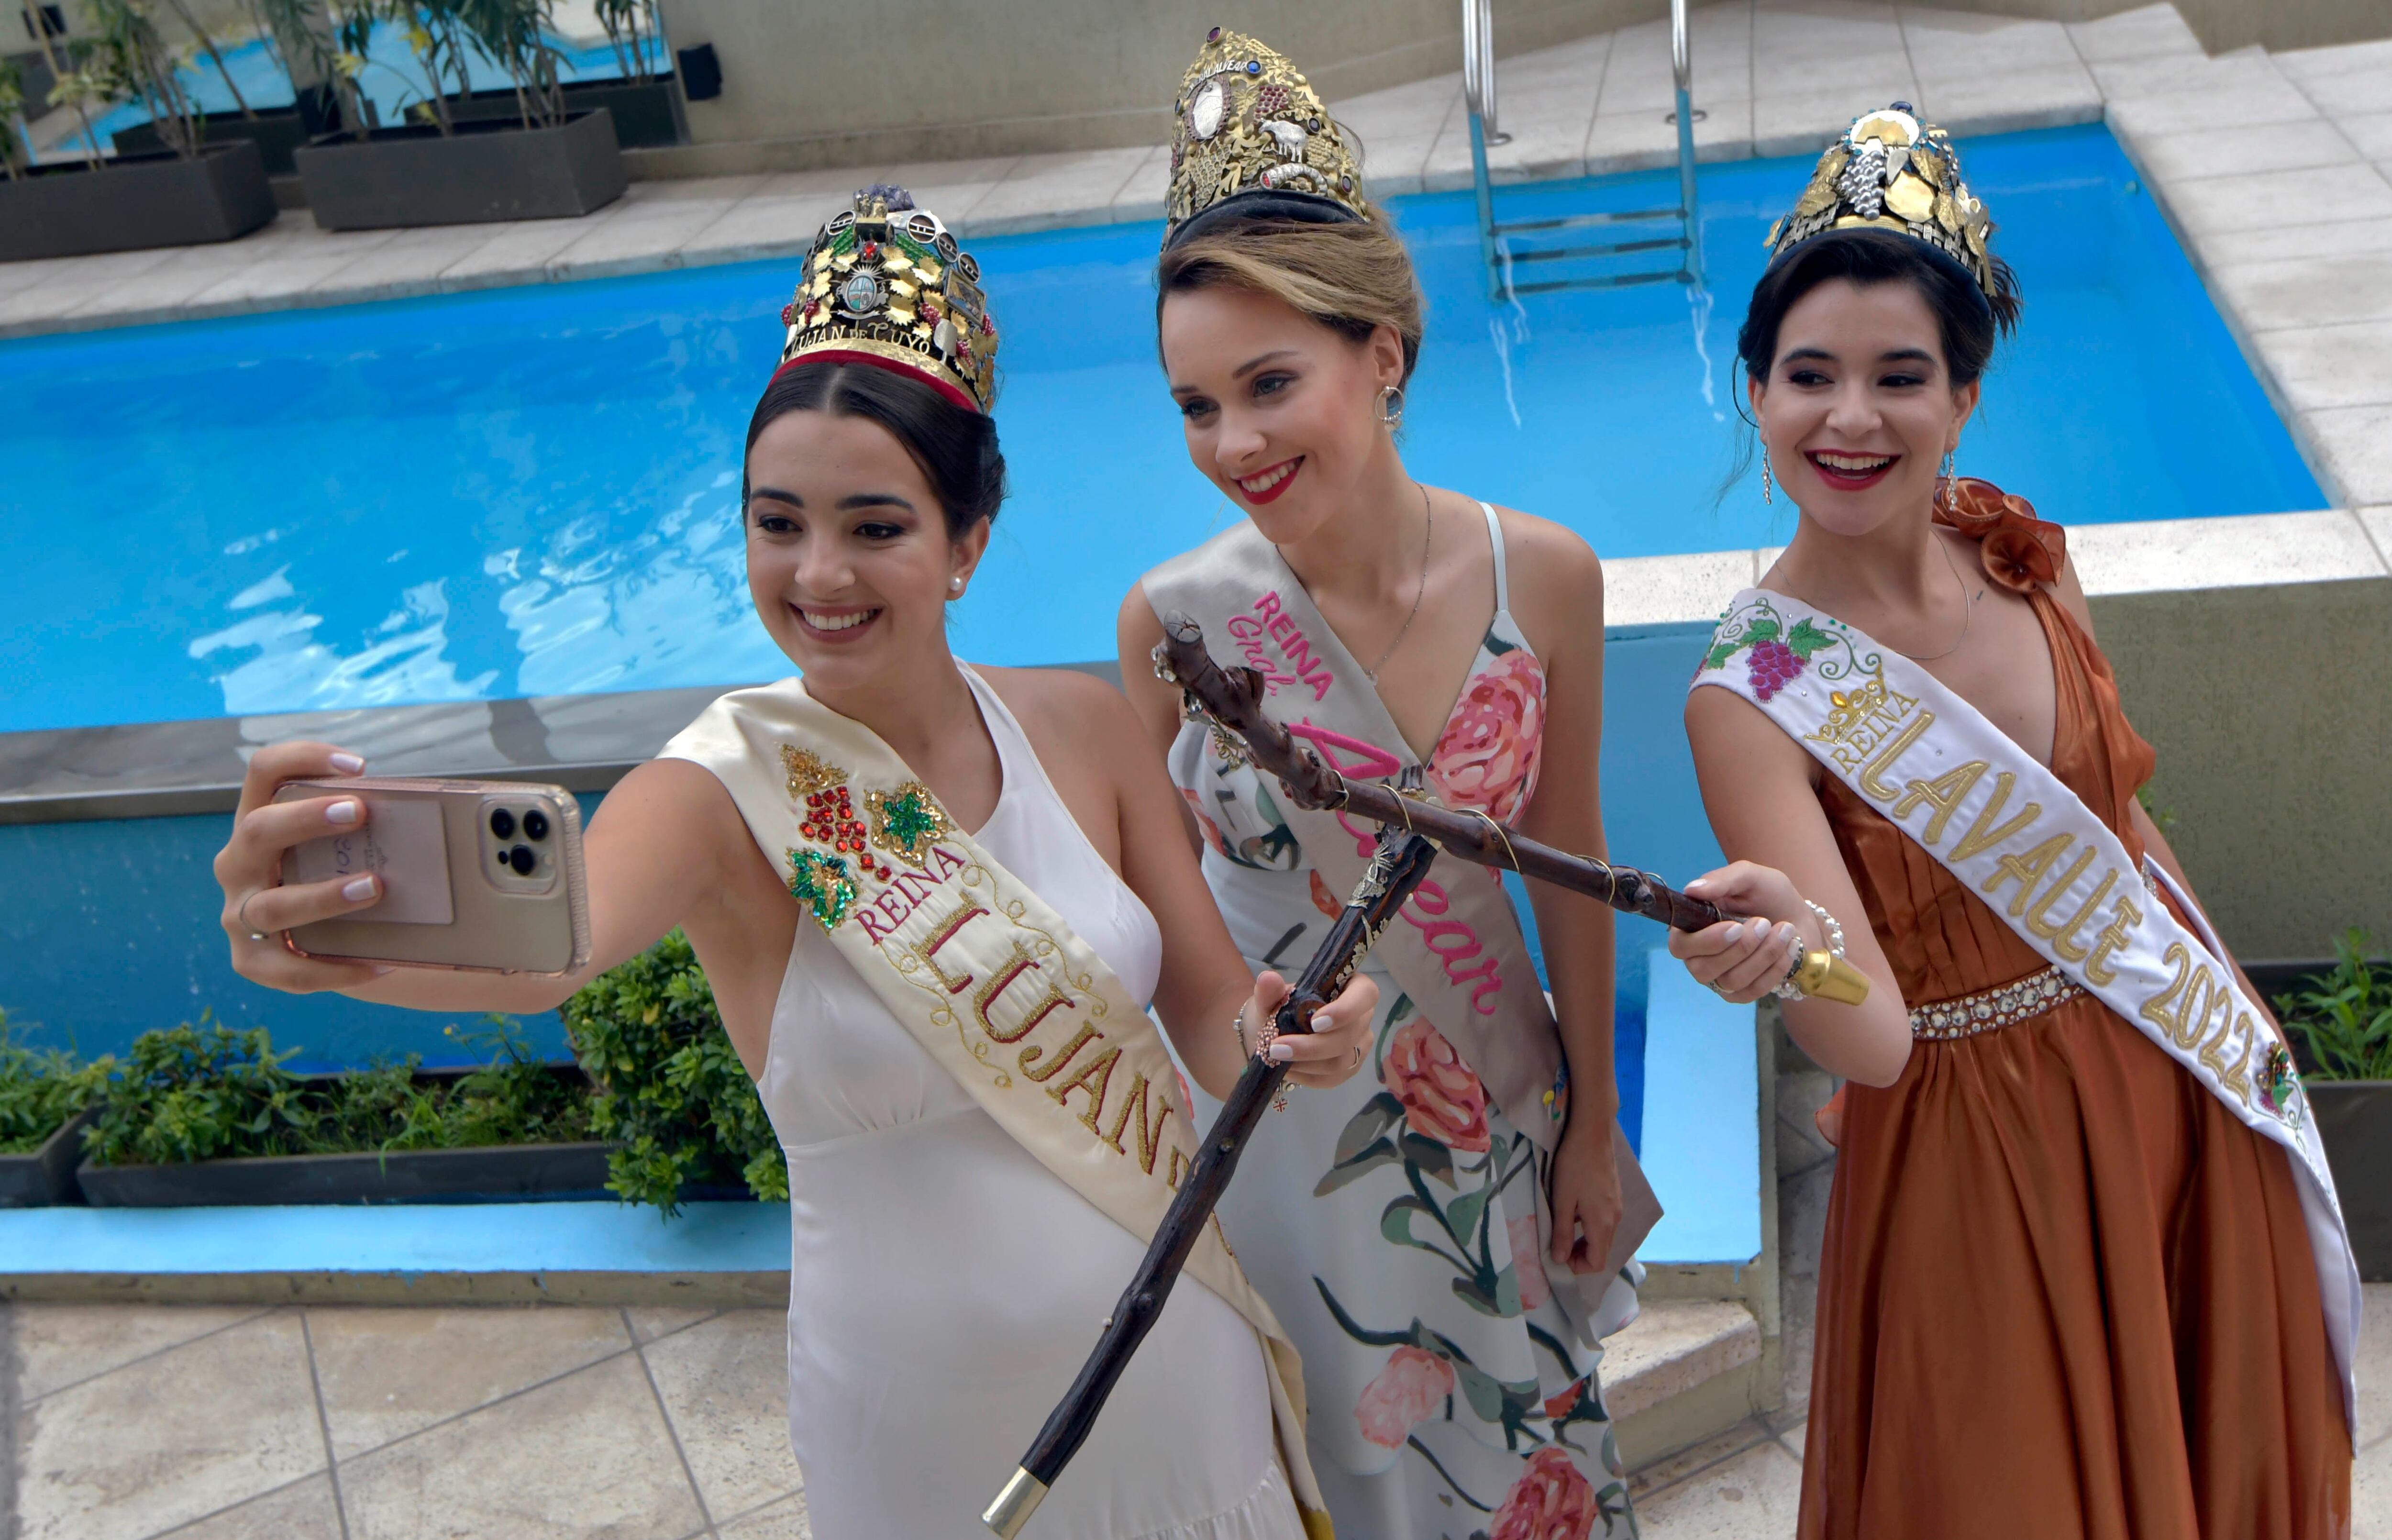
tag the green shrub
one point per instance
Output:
(210, 1092)
(2345, 1014)
(671, 1093)
(40, 1088)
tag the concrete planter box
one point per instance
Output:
(485, 171)
(277, 133)
(645, 116)
(45, 1176)
(504, 1173)
(138, 201)
(2354, 1117)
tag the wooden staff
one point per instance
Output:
(1395, 870)
(1231, 701)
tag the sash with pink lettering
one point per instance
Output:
(985, 975)
(1457, 950)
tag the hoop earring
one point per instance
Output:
(1765, 496)
(1391, 406)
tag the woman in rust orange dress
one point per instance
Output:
(2083, 1271)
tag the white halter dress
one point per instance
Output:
(944, 1288)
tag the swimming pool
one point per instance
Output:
(532, 490)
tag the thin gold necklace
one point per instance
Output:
(1428, 532)
(1967, 611)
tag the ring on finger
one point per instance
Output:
(241, 914)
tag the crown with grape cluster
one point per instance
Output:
(1252, 138)
(884, 284)
(1892, 171)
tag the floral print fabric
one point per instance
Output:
(1398, 1235)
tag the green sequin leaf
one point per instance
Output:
(824, 884)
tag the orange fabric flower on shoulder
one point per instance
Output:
(2018, 550)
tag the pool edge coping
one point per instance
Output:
(587, 743)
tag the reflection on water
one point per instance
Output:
(533, 491)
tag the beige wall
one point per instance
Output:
(2224, 24)
(2271, 710)
(1012, 76)
(810, 84)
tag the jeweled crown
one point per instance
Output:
(1252, 137)
(886, 284)
(1892, 171)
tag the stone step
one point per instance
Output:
(1684, 1371)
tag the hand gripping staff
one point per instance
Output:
(1411, 832)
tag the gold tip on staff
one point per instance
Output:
(1015, 1505)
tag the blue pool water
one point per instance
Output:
(532, 490)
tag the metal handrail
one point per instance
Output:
(1479, 65)
(1681, 65)
(1479, 97)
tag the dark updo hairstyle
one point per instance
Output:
(955, 447)
(1971, 321)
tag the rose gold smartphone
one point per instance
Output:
(481, 876)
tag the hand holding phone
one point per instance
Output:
(331, 878)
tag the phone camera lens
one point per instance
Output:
(535, 824)
(502, 823)
(523, 860)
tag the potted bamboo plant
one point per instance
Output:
(543, 162)
(274, 130)
(645, 105)
(187, 194)
(2341, 1020)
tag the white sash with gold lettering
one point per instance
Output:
(2000, 821)
(1460, 952)
(1461, 958)
(986, 976)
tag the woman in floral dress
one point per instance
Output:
(1438, 1235)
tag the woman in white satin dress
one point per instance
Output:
(945, 1287)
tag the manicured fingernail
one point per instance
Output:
(1282, 1052)
(361, 888)
(347, 763)
(1734, 932)
(340, 812)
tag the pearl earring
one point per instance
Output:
(956, 585)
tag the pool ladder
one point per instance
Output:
(1498, 243)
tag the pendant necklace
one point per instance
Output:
(1428, 529)
(1966, 610)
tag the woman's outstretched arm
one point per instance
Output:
(1764, 808)
(667, 847)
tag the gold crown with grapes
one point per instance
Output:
(884, 284)
(1251, 136)
(1892, 171)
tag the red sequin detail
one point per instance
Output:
(789, 313)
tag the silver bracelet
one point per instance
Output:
(1786, 989)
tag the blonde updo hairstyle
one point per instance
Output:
(1353, 275)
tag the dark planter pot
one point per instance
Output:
(45, 1176)
(138, 201)
(485, 171)
(2354, 1117)
(645, 116)
(506, 1173)
(277, 133)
